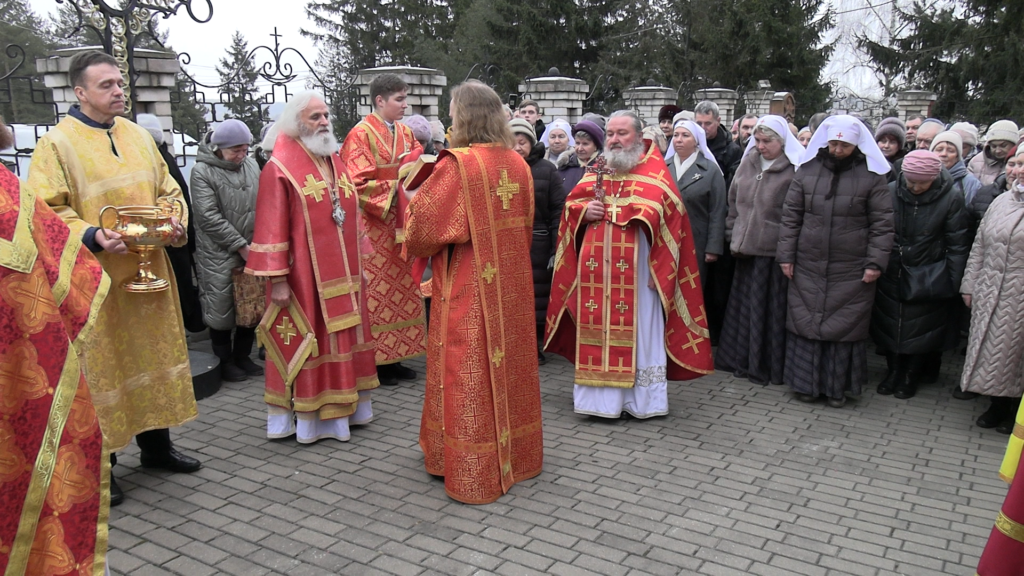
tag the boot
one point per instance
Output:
(907, 387)
(885, 387)
(244, 338)
(229, 372)
(1010, 422)
(997, 413)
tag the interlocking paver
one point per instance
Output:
(739, 479)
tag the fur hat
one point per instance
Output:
(892, 127)
(521, 126)
(230, 133)
(668, 112)
(968, 132)
(1004, 130)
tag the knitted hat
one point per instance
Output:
(591, 129)
(921, 165)
(420, 127)
(968, 132)
(951, 137)
(152, 125)
(230, 133)
(521, 126)
(668, 112)
(1004, 130)
(892, 127)
(596, 119)
(436, 131)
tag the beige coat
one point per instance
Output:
(995, 280)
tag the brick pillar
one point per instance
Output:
(910, 102)
(726, 100)
(425, 88)
(557, 96)
(647, 101)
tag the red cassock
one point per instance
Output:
(1004, 553)
(54, 470)
(297, 239)
(592, 312)
(372, 154)
(481, 426)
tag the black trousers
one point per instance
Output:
(154, 442)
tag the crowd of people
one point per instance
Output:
(643, 254)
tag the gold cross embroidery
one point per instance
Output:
(633, 188)
(506, 189)
(489, 272)
(314, 188)
(497, 356)
(702, 316)
(622, 266)
(346, 186)
(693, 342)
(622, 307)
(690, 276)
(286, 330)
(503, 439)
(590, 306)
(591, 264)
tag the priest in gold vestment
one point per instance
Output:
(481, 425)
(373, 152)
(136, 361)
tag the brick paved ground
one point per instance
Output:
(739, 479)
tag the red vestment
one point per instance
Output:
(373, 155)
(592, 312)
(296, 238)
(1004, 553)
(54, 469)
(481, 426)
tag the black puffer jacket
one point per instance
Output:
(930, 227)
(727, 153)
(549, 199)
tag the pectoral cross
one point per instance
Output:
(601, 170)
(314, 188)
(506, 189)
(613, 212)
(286, 330)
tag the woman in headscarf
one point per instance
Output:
(949, 147)
(589, 144)
(915, 316)
(753, 342)
(702, 187)
(834, 243)
(557, 140)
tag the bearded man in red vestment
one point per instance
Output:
(54, 469)
(481, 426)
(305, 242)
(373, 153)
(626, 305)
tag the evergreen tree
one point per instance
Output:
(26, 36)
(968, 52)
(238, 77)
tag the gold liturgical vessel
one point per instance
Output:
(144, 229)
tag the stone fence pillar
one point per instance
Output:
(157, 71)
(726, 100)
(648, 100)
(910, 102)
(425, 88)
(557, 96)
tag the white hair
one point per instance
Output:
(707, 107)
(290, 121)
(638, 126)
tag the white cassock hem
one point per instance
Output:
(309, 428)
(649, 395)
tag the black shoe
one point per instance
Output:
(837, 402)
(995, 415)
(249, 367)
(1006, 427)
(116, 494)
(808, 398)
(402, 373)
(541, 359)
(961, 394)
(892, 375)
(386, 375)
(906, 389)
(885, 387)
(172, 461)
(229, 372)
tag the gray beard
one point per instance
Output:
(624, 160)
(319, 144)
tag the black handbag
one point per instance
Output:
(926, 283)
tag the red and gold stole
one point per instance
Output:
(54, 470)
(334, 251)
(389, 152)
(592, 312)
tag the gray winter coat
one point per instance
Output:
(224, 208)
(702, 188)
(835, 224)
(995, 280)
(755, 206)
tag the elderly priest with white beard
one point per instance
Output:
(306, 243)
(626, 304)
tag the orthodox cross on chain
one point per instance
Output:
(600, 168)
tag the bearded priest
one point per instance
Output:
(305, 242)
(626, 304)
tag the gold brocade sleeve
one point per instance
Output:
(53, 185)
(437, 214)
(375, 196)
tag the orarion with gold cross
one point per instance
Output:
(592, 314)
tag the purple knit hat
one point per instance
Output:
(591, 129)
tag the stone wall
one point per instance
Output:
(647, 101)
(557, 96)
(425, 88)
(726, 100)
(912, 102)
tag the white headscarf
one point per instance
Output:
(850, 130)
(791, 147)
(702, 142)
(558, 124)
